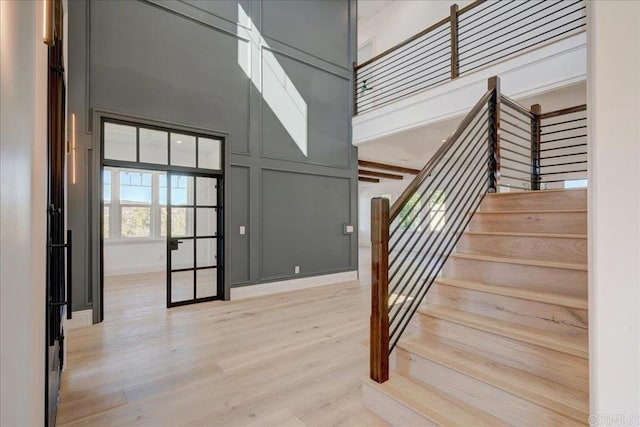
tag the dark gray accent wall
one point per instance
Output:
(183, 63)
(304, 234)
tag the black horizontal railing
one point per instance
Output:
(500, 145)
(412, 240)
(563, 148)
(468, 39)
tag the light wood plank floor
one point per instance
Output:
(293, 359)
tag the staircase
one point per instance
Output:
(502, 336)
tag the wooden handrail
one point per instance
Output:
(420, 34)
(563, 111)
(470, 6)
(424, 172)
(379, 327)
(513, 104)
(404, 42)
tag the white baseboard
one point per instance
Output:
(79, 319)
(291, 285)
(137, 269)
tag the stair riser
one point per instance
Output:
(538, 248)
(391, 410)
(576, 199)
(546, 363)
(565, 321)
(527, 222)
(546, 279)
(491, 399)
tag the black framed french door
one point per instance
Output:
(189, 209)
(58, 257)
(195, 244)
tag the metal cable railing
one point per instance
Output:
(499, 146)
(470, 38)
(513, 27)
(413, 239)
(563, 147)
(516, 152)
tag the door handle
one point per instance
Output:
(173, 244)
(69, 247)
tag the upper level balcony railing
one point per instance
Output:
(482, 33)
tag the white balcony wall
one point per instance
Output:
(550, 67)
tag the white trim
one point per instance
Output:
(136, 269)
(291, 285)
(79, 319)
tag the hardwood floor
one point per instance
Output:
(293, 359)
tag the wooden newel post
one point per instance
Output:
(536, 109)
(379, 335)
(494, 134)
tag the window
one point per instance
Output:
(412, 213)
(575, 183)
(437, 218)
(131, 143)
(106, 197)
(135, 205)
(409, 213)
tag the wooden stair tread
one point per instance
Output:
(521, 234)
(510, 330)
(554, 396)
(536, 192)
(538, 296)
(532, 211)
(432, 403)
(521, 261)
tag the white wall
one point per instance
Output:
(133, 258)
(614, 203)
(401, 20)
(151, 256)
(23, 72)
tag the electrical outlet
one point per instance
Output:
(243, 230)
(296, 269)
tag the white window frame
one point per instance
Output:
(115, 208)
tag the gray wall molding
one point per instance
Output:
(349, 218)
(189, 78)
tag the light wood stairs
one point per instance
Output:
(502, 336)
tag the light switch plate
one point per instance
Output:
(348, 229)
(243, 230)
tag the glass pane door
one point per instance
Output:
(193, 241)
